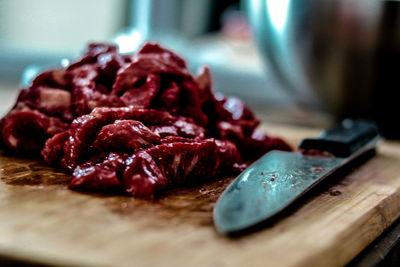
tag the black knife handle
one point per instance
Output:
(344, 139)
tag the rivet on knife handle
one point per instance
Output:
(278, 178)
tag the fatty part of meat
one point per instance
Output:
(51, 101)
(137, 123)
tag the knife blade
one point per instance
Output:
(278, 179)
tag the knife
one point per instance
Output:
(278, 179)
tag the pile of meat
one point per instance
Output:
(136, 123)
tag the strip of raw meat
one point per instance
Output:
(126, 135)
(169, 99)
(187, 127)
(152, 170)
(53, 148)
(192, 107)
(156, 50)
(83, 130)
(52, 78)
(100, 173)
(87, 94)
(109, 64)
(91, 53)
(259, 143)
(51, 101)
(152, 59)
(204, 84)
(26, 131)
(142, 95)
(233, 110)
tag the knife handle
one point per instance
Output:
(344, 139)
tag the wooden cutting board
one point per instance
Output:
(42, 221)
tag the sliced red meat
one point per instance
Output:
(183, 99)
(143, 178)
(128, 76)
(83, 130)
(142, 95)
(230, 131)
(51, 78)
(54, 102)
(135, 122)
(126, 135)
(253, 146)
(188, 128)
(169, 165)
(83, 86)
(169, 99)
(92, 52)
(87, 94)
(96, 49)
(235, 111)
(156, 50)
(83, 75)
(235, 122)
(26, 131)
(164, 130)
(86, 99)
(94, 178)
(99, 174)
(193, 105)
(204, 84)
(179, 139)
(110, 63)
(180, 126)
(53, 152)
(258, 144)
(146, 116)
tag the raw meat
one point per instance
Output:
(138, 124)
(151, 170)
(25, 131)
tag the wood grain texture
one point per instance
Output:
(42, 221)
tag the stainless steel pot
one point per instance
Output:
(341, 56)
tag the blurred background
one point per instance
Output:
(36, 35)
